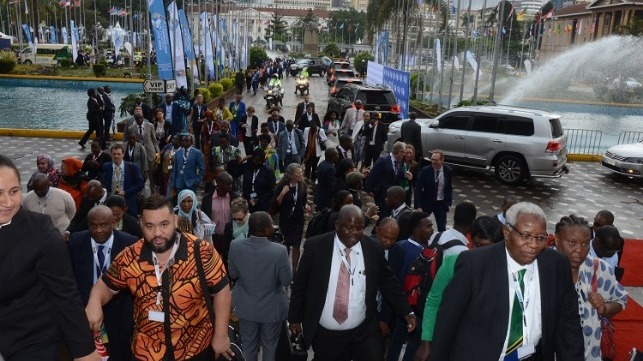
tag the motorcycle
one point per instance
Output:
(274, 96)
(302, 85)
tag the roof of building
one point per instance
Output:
(575, 9)
(280, 11)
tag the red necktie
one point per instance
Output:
(340, 307)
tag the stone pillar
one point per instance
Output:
(311, 41)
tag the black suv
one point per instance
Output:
(314, 65)
(374, 99)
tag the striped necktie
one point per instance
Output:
(515, 327)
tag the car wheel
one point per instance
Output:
(510, 169)
(27, 62)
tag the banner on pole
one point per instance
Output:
(397, 80)
(176, 40)
(161, 39)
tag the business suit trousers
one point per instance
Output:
(439, 210)
(400, 337)
(251, 332)
(371, 154)
(290, 158)
(363, 343)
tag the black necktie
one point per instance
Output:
(140, 130)
(397, 168)
(101, 260)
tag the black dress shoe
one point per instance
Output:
(82, 146)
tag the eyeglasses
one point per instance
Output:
(581, 245)
(242, 219)
(526, 237)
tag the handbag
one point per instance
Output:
(322, 143)
(608, 346)
(233, 335)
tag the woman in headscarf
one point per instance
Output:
(191, 219)
(73, 180)
(45, 165)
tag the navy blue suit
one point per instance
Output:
(118, 319)
(237, 112)
(264, 185)
(177, 117)
(326, 177)
(380, 179)
(426, 195)
(132, 183)
(395, 260)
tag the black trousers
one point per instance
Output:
(107, 119)
(371, 154)
(311, 168)
(95, 125)
(363, 343)
(196, 128)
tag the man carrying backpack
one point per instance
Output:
(463, 217)
(421, 230)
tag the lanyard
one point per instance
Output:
(294, 198)
(186, 153)
(345, 261)
(254, 177)
(107, 259)
(157, 270)
(44, 207)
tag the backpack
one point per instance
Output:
(317, 223)
(419, 277)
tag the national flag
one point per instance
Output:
(341, 27)
(512, 10)
(76, 2)
(549, 15)
(538, 18)
(504, 31)
(591, 30)
(559, 29)
(579, 26)
(452, 9)
(569, 28)
(521, 15)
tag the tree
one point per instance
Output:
(332, 50)
(277, 29)
(362, 55)
(347, 25)
(257, 56)
(635, 27)
(467, 19)
(380, 12)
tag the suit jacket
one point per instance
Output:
(380, 134)
(177, 122)
(395, 260)
(298, 139)
(262, 271)
(79, 222)
(301, 109)
(119, 311)
(240, 111)
(264, 185)
(381, 177)
(95, 171)
(326, 178)
(276, 128)
(149, 141)
(303, 122)
(411, 133)
(132, 183)
(403, 218)
(473, 316)
(139, 157)
(425, 192)
(193, 171)
(131, 226)
(308, 293)
(216, 138)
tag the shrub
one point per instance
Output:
(99, 70)
(216, 90)
(362, 55)
(206, 94)
(227, 84)
(66, 63)
(331, 50)
(257, 56)
(8, 61)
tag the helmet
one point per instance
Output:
(275, 76)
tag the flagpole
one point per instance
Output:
(474, 98)
(496, 52)
(455, 52)
(435, 55)
(511, 23)
(466, 48)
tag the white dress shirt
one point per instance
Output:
(106, 251)
(357, 295)
(440, 194)
(532, 331)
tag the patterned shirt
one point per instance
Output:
(186, 314)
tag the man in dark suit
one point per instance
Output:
(172, 113)
(108, 111)
(291, 144)
(386, 232)
(411, 133)
(434, 191)
(301, 107)
(238, 110)
(123, 221)
(338, 270)
(258, 182)
(96, 195)
(189, 167)
(146, 109)
(375, 134)
(276, 123)
(326, 176)
(345, 147)
(519, 282)
(388, 171)
(399, 210)
(123, 178)
(91, 252)
(307, 118)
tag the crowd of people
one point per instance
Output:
(157, 276)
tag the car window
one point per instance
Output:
(376, 97)
(556, 128)
(517, 126)
(454, 122)
(485, 124)
(343, 94)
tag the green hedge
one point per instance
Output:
(227, 84)
(99, 70)
(8, 62)
(216, 90)
(206, 94)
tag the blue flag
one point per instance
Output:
(25, 27)
(341, 27)
(161, 39)
(52, 32)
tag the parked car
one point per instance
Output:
(517, 143)
(342, 82)
(628, 82)
(314, 65)
(374, 99)
(342, 73)
(625, 159)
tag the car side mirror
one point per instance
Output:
(435, 124)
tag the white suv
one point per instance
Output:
(516, 142)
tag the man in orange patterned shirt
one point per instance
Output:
(171, 320)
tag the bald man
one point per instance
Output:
(96, 195)
(91, 253)
(54, 202)
(333, 298)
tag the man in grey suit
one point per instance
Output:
(147, 136)
(291, 145)
(261, 270)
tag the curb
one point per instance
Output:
(46, 133)
(584, 157)
(73, 78)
